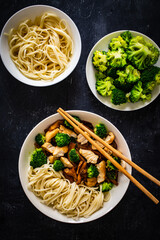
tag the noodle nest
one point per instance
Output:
(42, 49)
(68, 198)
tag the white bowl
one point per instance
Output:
(28, 146)
(102, 44)
(30, 13)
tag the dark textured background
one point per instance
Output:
(22, 107)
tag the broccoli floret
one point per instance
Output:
(136, 92)
(157, 78)
(38, 158)
(127, 36)
(110, 165)
(118, 97)
(100, 75)
(149, 74)
(106, 186)
(99, 60)
(68, 125)
(40, 139)
(100, 130)
(58, 165)
(117, 43)
(104, 86)
(117, 59)
(112, 72)
(133, 75)
(92, 171)
(148, 87)
(111, 174)
(73, 155)
(141, 53)
(62, 139)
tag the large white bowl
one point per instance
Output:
(102, 44)
(30, 13)
(28, 146)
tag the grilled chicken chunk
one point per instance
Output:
(89, 156)
(51, 134)
(55, 125)
(66, 162)
(51, 159)
(48, 147)
(81, 139)
(100, 144)
(91, 182)
(60, 151)
(67, 131)
(102, 171)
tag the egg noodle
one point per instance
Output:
(68, 198)
(41, 49)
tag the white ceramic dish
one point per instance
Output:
(30, 13)
(102, 44)
(28, 146)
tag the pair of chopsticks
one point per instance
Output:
(79, 126)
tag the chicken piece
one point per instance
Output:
(99, 144)
(48, 147)
(55, 125)
(71, 172)
(89, 156)
(102, 171)
(91, 182)
(51, 134)
(60, 151)
(110, 138)
(67, 131)
(66, 162)
(81, 139)
(51, 159)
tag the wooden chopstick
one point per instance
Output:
(105, 154)
(120, 155)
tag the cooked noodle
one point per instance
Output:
(68, 198)
(42, 49)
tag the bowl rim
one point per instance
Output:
(71, 67)
(26, 191)
(114, 107)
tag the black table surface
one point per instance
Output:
(22, 107)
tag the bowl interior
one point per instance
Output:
(102, 44)
(28, 146)
(30, 13)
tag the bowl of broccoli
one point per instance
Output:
(123, 70)
(33, 155)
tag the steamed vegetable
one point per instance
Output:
(62, 139)
(38, 158)
(106, 186)
(92, 171)
(40, 139)
(100, 130)
(73, 155)
(58, 165)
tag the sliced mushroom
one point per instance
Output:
(60, 151)
(89, 156)
(66, 162)
(71, 172)
(48, 147)
(51, 134)
(91, 182)
(51, 159)
(67, 131)
(110, 138)
(102, 171)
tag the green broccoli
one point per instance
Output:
(133, 75)
(117, 59)
(68, 125)
(117, 43)
(110, 165)
(106, 186)
(157, 78)
(148, 87)
(92, 171)
(112, 72)
(100, 75)
(73, 155)
(38, 158)
(111, 174)
(141, 53)
(104, 86)
(136, 92)
(40, 139)
(118, 97)
(99, 60)
(127, 36)
(149, 74)
(100, 130)
(58, 165)
(62, 139)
